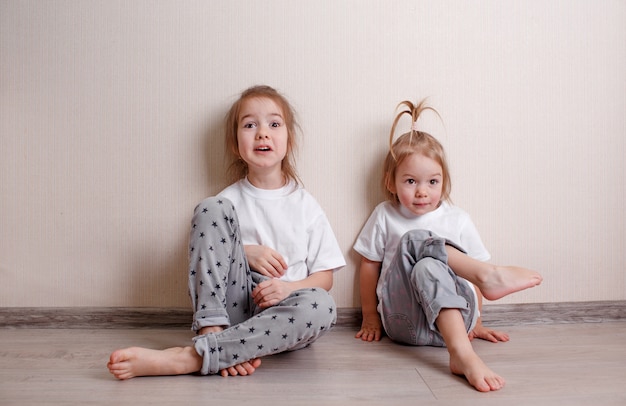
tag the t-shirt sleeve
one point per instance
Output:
(323, 249)
(371, 240)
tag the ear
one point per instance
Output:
(390, 184)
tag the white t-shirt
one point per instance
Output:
(381, 234)
(290, 221)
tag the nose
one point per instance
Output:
(420, 191)
(262, 133)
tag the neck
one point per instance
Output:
(272, 180)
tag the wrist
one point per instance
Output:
(369, 311)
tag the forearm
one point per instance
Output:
(321, 279)
(369, 273)
(371, 326)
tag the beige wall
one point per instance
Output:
(110, 114)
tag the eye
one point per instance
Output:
(249, 125)
(410, 181)
(275, 124)
(434, 181)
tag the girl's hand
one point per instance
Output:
(270, 292)
(371, 328)
(265, 260)
(487, 334)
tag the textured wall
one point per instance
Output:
(110, 114)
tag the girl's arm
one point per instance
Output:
(371, 327)
(321, 279)
(270, 292)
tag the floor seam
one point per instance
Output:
(426, 383)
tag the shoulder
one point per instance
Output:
(451, 210)
(389, 212)
(382, 216)
(386, 208)
(305, 200)
(231, 190)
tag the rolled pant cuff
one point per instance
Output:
(206, 319)
(434, 309)
(206, 346)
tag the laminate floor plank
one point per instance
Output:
(569, 364)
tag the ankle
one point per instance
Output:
(210, 329)
(487, 273)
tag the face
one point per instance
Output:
(418, 184)
(262, 135)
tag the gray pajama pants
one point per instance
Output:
(220, 286)
(418, 286)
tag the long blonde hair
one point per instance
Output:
(237, 168)
(413, 142)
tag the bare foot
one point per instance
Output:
(479, 375)
(504, 280)
(136, 361)
(245, 368)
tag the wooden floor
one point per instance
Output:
(565, 364)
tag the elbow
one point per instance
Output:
(328, 280)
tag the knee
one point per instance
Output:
(429, 269)
(423, 243)
(323, 298)
(214, 204)
(418, 235)
(317, 303)
(211, 209)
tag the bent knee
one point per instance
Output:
(315, 302)
(214, 204)
(431, 269)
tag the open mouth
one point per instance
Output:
(263, 149)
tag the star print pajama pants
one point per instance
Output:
(220, 286)
(418, 286)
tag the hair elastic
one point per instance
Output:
(414, 126)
